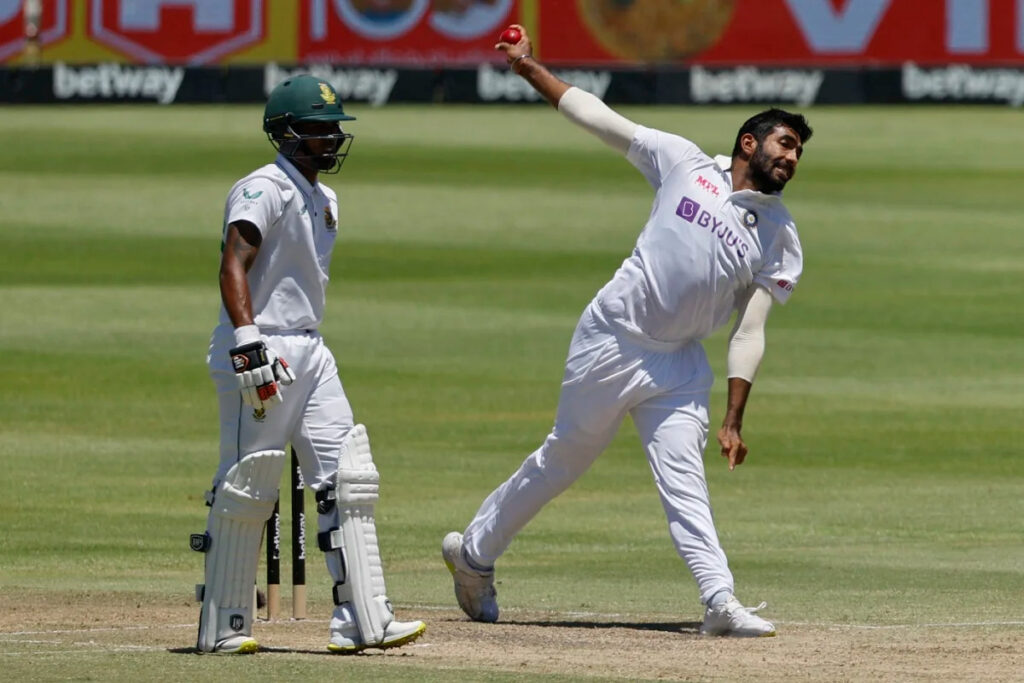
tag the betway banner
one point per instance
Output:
(451, 33)
(490, 84)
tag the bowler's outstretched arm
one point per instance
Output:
(579, 106)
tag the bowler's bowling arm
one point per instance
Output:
(579, 106)
(550, 86)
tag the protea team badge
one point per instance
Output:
(327, 94)
(329, 219)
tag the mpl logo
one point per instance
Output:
(707, 185)
(178, 31)
(53, 25)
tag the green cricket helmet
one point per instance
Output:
(295, 105)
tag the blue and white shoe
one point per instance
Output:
(474, 588)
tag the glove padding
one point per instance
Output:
(259, 371)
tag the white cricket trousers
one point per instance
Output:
(666, 390)
(313, 417)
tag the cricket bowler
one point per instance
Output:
(718, 239)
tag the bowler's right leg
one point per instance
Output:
(596, 393)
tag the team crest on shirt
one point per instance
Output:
(750, 219)
(259, 414)
(329, 220)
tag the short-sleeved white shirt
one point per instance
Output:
(702, 247)
(299, 223)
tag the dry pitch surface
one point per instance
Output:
(40, 632)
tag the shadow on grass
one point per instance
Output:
(278, 651)
(666, 626)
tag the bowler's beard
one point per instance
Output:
(761, 166)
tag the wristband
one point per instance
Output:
(512, 64)
(246, 334)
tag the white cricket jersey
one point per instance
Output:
(702, 247)
(298, 222)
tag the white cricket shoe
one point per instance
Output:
(237, 645)
(733, 619)
(345, 638)
(474, 589)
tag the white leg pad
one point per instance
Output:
(360, 576)
(241, 506)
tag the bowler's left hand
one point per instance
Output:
(733, 447)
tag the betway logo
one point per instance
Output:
(117, 81)
(750, 84)
(690, 211)
(959, 82)
(494, 84)
(368, 85)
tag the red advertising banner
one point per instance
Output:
(177, 31)
(50, 26)
(732, 32)
(447, 33)
(441, 32)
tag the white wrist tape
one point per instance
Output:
(589, 112)
(247, 334)
(746, 343)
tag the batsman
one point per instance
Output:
(277, 383)
(718, 240)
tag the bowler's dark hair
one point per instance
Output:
(761, 125)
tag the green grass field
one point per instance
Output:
(884, 484)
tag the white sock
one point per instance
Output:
(719, 598)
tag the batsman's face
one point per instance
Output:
(321, 140)
(774, 162)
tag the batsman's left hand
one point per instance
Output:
(733, 448)
(259, 370)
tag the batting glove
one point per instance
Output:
(259, 369)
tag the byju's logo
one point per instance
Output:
(687, 209)
(691, 212)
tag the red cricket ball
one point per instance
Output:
(511, 35)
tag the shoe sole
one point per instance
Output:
(444, 554)
(733, 634)
(249, 647)
(397, 642)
